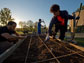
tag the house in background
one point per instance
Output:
(80, 23)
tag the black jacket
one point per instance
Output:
(54, 20)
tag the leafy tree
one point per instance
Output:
(27, 25)
(5, 16)
(21, 24)
(35, 26)
(30, 24)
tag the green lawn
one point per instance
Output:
(19, 32)
(80, 41)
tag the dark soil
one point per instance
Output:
(38, 52)
(18, 56)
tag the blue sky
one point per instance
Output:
(24, 10)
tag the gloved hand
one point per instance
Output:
(48, 37)
(77, 17)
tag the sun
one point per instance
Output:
(17, 21)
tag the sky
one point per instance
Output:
(24, 10)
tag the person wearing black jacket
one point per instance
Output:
(8, 36)
(60, 19)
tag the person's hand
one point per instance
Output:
(13, 39)
(48, 37)
(18, 37)
(77, 17)
(21, 37)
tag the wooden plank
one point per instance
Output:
(9, 51)
(78, 47)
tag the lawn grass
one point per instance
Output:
(80, 41)
(20, 32)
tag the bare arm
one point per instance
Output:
(9, 37)
(18, 36)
